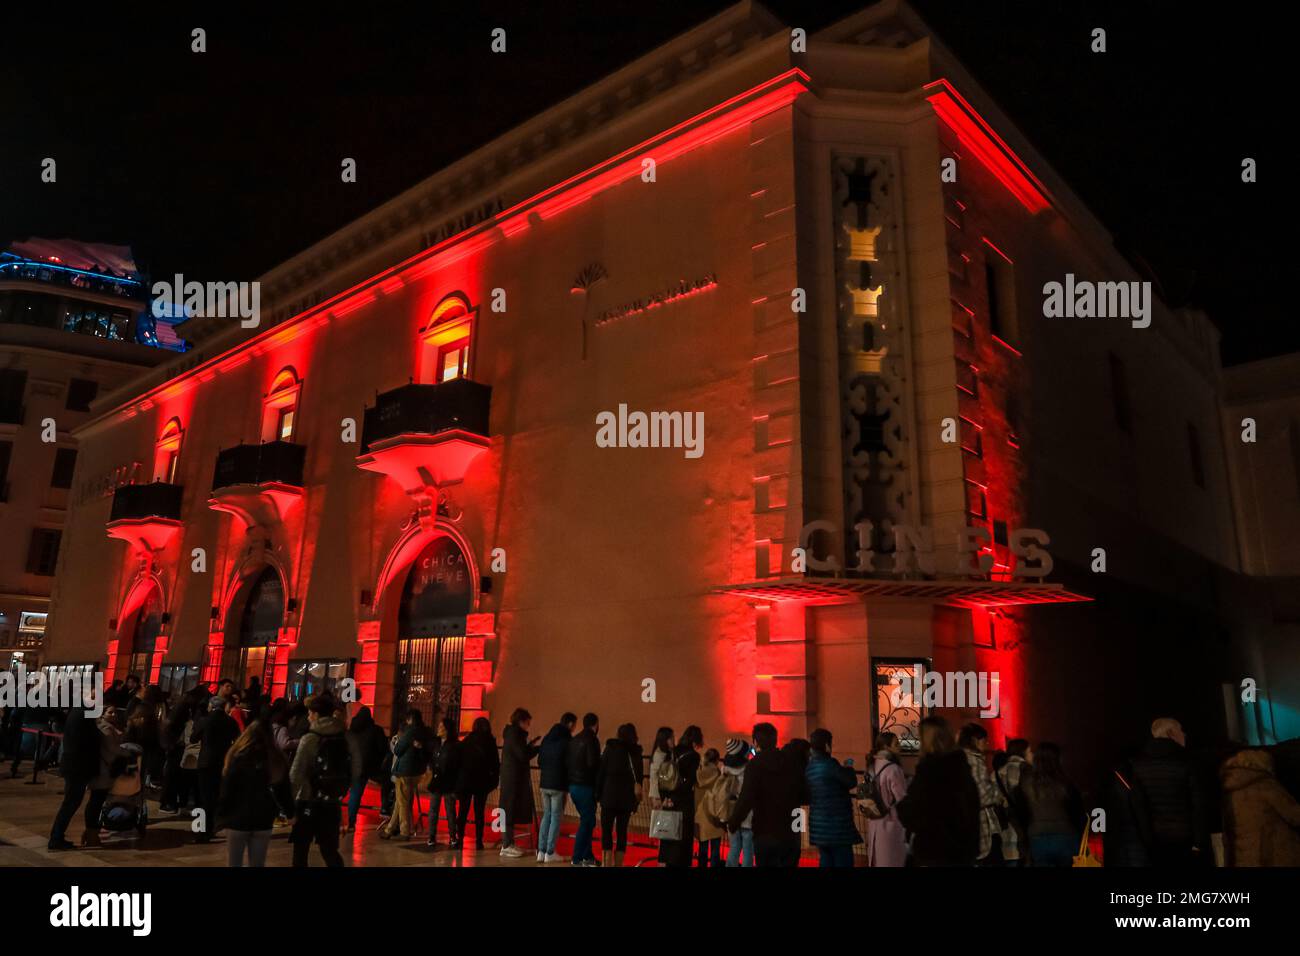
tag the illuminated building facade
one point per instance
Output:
(396, 477)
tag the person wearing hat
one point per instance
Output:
(740, 846)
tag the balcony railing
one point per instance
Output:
(273, 462)
(155, 500)
(428, 410)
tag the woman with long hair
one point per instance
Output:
(480, 769)
(618, 787)
(686, 758)
(1053, 807)
(942, 806)
(254, 788)
(884, 787)
(661, 750)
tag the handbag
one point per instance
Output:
(666, 824)
(1084, 856)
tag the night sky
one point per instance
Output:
(223, 164)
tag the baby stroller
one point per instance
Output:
(125, 807)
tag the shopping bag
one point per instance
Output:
(1085, 857)
(666, 825)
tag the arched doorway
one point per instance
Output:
(437, 598)
(138, 638)
(253, 624)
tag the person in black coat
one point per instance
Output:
(442, 787)
(254, 791)
(367, 746)
(480, 769)
(175, 788)
(583, 762)
(942, 806)
(686, 757)
(1173, 798)
(774, 789)
(215, 733)
(80, 765)
(516, 795)
(618, 787)
(553, 760)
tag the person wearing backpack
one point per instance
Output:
(830, 803)
(884, 787)
(676, 779)
(1015, 835)
(740, 843)
(618, 785)
(320, 777)
(410, 761)
(710, 806)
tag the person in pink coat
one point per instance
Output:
(886, 838)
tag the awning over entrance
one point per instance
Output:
(955, 593)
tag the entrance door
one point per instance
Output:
(145, 627)
(436, 601)
(259, 626)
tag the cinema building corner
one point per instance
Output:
(396, 477)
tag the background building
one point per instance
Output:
(396, 477)
(73, 323)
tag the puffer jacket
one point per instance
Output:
(830, 810)
(411, 752)
(1173, 797)
(707, 778)
(583, 759)
(1262, 820)
(553, 758)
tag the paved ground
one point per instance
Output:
(26, 812)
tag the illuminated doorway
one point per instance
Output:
(431, 618)
(260, 618)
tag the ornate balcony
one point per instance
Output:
(147, 517)
(258, 483)
(426, 436)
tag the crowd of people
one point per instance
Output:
(239, 762)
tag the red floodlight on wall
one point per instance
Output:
(979, 139)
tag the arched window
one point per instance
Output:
(445, 341)
(280, 407)
(168, 452)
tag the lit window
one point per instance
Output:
(284, 428)
(445, 341)
(280, 406)
(167, 456)
(453, 360)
